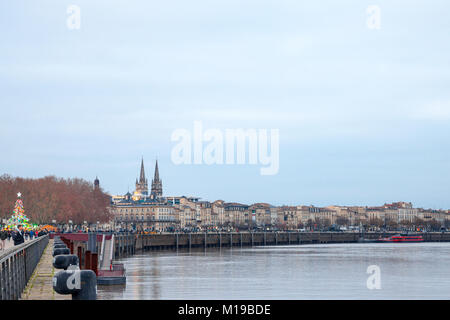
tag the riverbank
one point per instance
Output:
(130, 244)
(127, 244)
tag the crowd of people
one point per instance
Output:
(19, 235)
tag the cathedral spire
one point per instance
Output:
(141, 184)
(142, 175)
(156, 184)
(156, 178)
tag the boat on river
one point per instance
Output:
(402, 238)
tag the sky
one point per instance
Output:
(363, 113)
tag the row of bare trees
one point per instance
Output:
(51, 198)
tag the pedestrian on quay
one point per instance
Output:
(9, 235)
(3, 236)
(18, 235)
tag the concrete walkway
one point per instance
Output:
(40, 285)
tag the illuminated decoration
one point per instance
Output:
(19, 217)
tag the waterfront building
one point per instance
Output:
(237, 214)
(260, 214)
(218, 210)
(151, 210)
(144, 216)
(142, 210)
(430, 215)
(204, 209)
(288, 217)
(187, 217)
(305, 214)
(273, 215)
(375, 217)
(183, 200)
(401, 212)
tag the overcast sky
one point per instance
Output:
(363, 114)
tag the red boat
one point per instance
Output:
(402, 238)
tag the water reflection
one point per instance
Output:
(335, 271)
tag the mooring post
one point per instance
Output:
(129, 244)
(241, 239)
(94, 263)
(231, 239)
(289, 238)
(264, 238)
(252, 238)
(205, 241)
(220, 240)
(276, 238)
(87, 260)
(177, 240)
(190, 240)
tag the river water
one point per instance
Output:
(320, 271)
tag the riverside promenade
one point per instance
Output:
(40, 285)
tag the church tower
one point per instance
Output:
(142, 185)
(96, 183)
(156, 184)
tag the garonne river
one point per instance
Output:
(320, 271)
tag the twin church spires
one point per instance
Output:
(142, 184)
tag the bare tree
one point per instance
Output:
(51, 198)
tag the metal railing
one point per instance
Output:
(17, 265)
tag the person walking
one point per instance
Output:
(3, 236)
(18, 235)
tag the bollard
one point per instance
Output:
(63, 261)
(87, 260)
(82, 284)
(71, 247)
(94, 263)
(59, 251)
